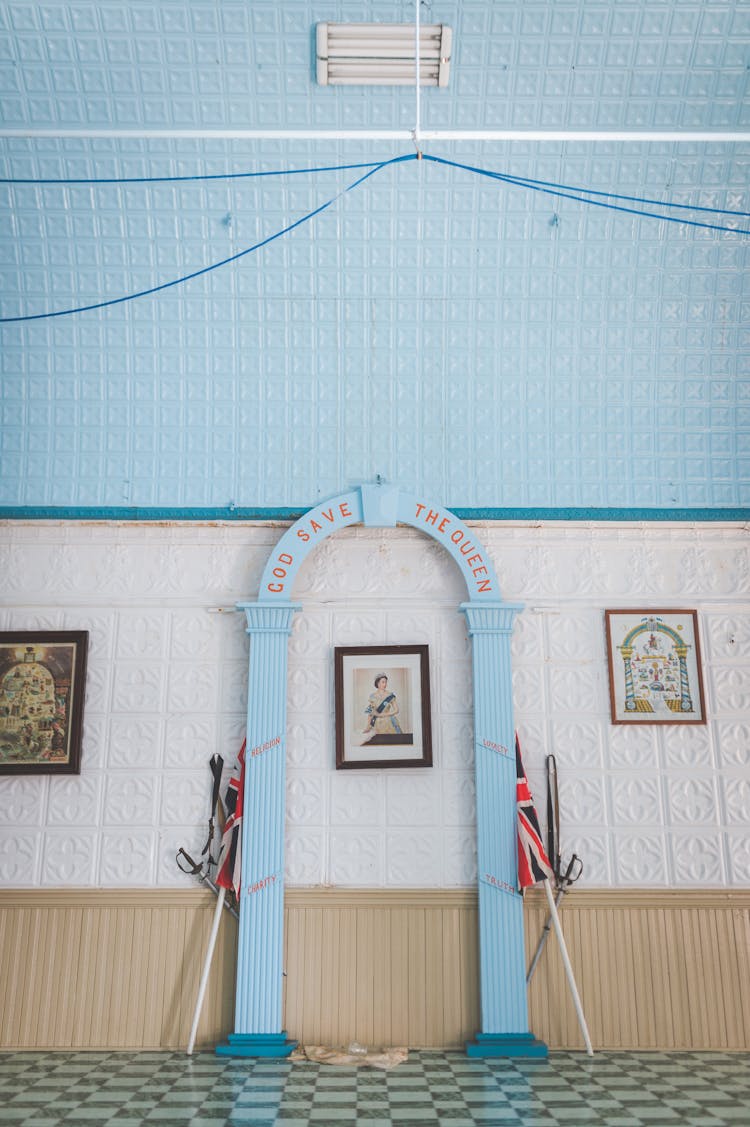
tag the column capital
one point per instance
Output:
(490, 618)
(269, 618)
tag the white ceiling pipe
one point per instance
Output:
(685, 136)
(146, 134)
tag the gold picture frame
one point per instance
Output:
(42, 687)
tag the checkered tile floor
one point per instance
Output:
(568, 1090)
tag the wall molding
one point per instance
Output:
(233, 514)
(328, 897)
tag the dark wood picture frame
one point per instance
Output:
(42, 689)
(655, 667)
(382, 724)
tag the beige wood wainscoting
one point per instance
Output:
(106, 969)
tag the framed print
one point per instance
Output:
(42, 685)
(654, 667)
(382, 706)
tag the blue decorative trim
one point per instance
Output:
(593, 514)
(257, 1045)
(237, 513)
(128, 513)
(507, 1045)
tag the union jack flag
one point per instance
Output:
(533, 863)
(229, 864)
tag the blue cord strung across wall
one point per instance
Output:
(214, 265)
(184, 179)
(562, 191)
(568, 194)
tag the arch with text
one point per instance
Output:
(502, 986)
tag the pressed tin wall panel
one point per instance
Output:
(187, 63)
(166, 688)
(463, 338)
(489, 345)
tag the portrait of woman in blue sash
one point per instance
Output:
(382, 710)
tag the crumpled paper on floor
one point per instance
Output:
(372, 1058)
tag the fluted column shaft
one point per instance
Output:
(504, 1010)
(260, 947)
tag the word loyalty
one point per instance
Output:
(500, 748)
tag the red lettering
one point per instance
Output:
(478, 571)
(285, 558)
(315, 526)
(419, 508)
(344, 509)
(265, 747)
(304, 536)
(445, 521)
(261, 884)
(276, 587)
(466, 548)
(485, 585)
(457, 536)
(474, 559)
(431, 517)
(279, 573)
(328, 514)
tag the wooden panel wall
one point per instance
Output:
(119, 969)
(109, 969)
(382, 968)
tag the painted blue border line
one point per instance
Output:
(239, 513)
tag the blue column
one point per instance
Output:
(504, 1010)
(260, 948)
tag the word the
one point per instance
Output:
(441, 522)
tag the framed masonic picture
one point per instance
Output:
(382, 707)
(42, 686)
(654, 667)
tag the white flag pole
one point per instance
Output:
(568, 968)
(206, 968)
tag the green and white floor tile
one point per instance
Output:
(568, 1090)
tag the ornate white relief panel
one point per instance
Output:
(167, 687)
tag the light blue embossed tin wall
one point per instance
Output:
(487, 344)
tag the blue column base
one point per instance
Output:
(507, 1045)
(257, 1045)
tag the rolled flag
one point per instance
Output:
(230, 860)
(533, 863)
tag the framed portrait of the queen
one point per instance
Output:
(42, 686)
(382, 706)
(654, 667)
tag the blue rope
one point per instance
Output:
(185, 179)
(214, 266)
(550, 188)
(526, 180)
(519, 182)
(509, 177)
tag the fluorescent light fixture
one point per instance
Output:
(382, 54)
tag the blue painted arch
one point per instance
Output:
(502, 986)
(384, 506)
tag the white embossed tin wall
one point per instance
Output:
(643, 806)
(484, 343)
